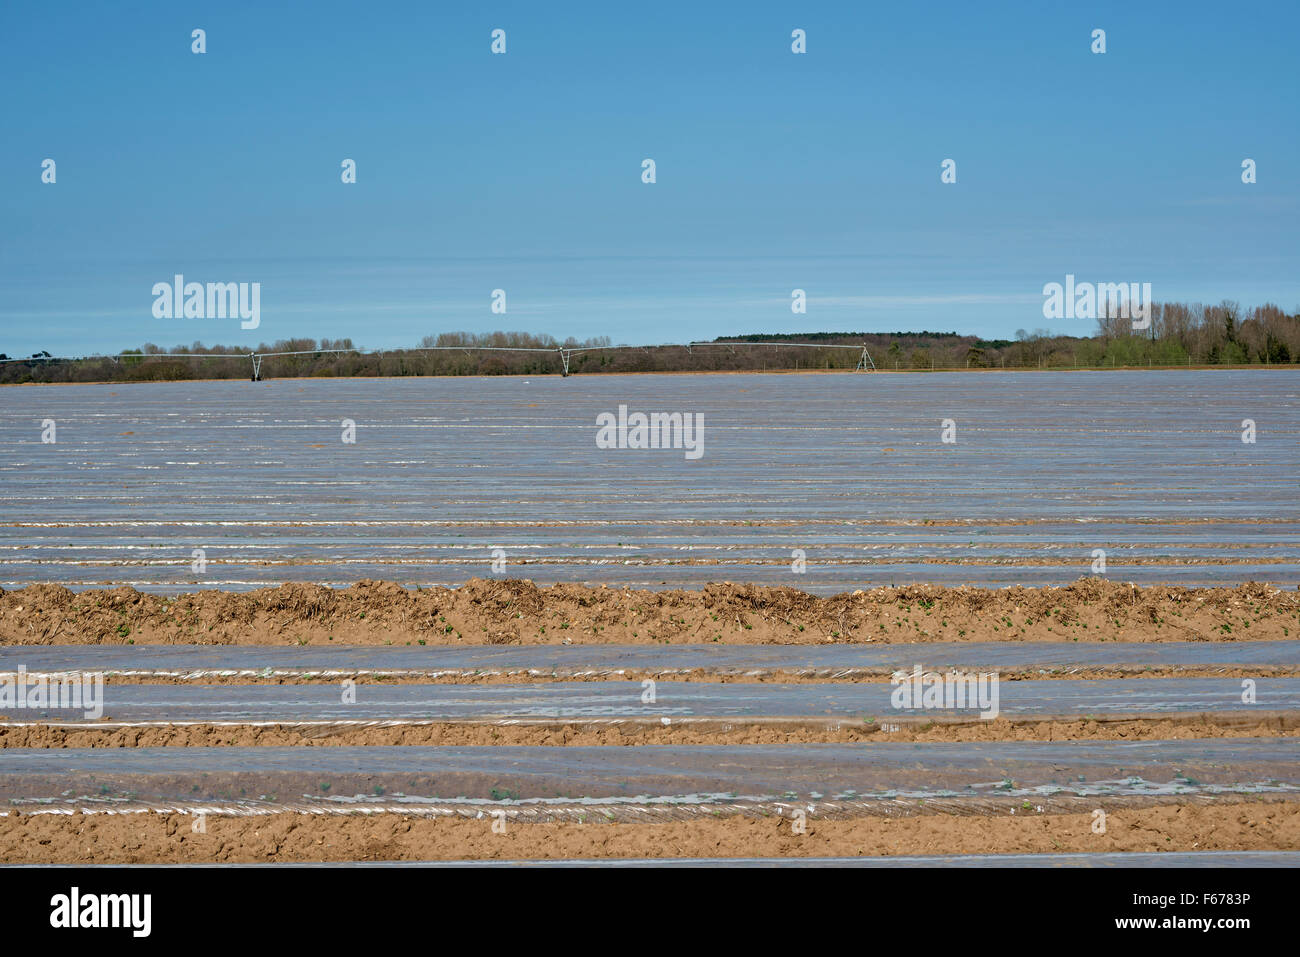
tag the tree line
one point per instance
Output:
(1178, 334)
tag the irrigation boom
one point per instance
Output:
(566, 353)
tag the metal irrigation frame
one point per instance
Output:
(566, 353)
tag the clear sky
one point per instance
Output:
(522, 171)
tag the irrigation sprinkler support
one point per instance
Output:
(566, 353)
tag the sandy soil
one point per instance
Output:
(512, 611)
(154, 838)
(449, 734)
(497, 612)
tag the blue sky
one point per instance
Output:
(523, 171)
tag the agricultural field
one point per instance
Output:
(394, 620)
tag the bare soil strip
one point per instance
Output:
(511, 611)
(1127, 859)
(289, 837)
(630, 733)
